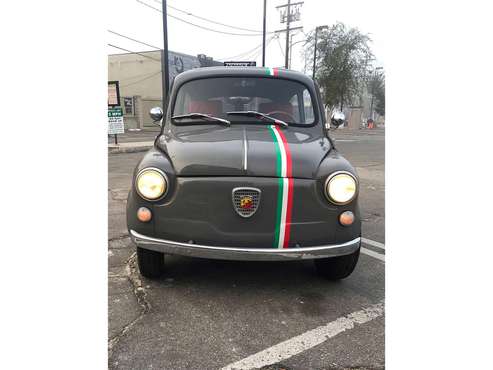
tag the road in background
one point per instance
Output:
(207, 314)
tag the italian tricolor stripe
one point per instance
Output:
(272, 71)
(285, 192)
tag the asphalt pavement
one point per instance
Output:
(209, 314)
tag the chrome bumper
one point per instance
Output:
(243, 254)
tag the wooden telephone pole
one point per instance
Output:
(287, 19)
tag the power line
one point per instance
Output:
(244, 54)
(280, 46)
(129, 38)
(142, 79)
(208, 20)
(135, 52)
(199, 26)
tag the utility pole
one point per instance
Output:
(263, 36)
(290, 49)
(315, 50)
(164, 57)
(295, 17)
(286, 61)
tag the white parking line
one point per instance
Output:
(373, 254)
(307, 340)
(373, 243)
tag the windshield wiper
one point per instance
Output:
(203, 116)
(252, 113)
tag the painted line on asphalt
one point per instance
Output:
(373, 254)
(307, 340)
(373, 243)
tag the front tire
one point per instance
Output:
(337, 268)
(151, 263)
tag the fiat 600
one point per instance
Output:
(244, 169)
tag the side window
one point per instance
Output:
(308, 107)
(295, 108)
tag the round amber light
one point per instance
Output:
(151, 184)
(346, 218)
(144, 214)
(341, 188)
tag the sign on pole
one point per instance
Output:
(115, 121)
(240, 64)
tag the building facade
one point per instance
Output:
(139, 77)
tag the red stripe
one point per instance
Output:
(289, 165)
(289, 174)
(275, 71)
(289, 211)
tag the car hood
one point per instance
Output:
(244, 150)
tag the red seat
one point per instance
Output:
(212, 107)
(272, 107)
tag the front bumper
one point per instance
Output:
(244, 254)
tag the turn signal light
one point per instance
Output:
(346, 218)
(144, 214)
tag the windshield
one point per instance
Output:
(285, 100)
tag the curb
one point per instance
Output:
(117, 149)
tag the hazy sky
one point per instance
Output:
(133, 19)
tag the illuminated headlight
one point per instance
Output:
(151, 183)
(341, 188)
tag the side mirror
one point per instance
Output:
(338, 119)
(156, 114)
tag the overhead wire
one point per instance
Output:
(142, 79)
(207, 19)
(200, 26)
(130, 38)
(134, 52)
(246, 53)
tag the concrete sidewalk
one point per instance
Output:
(130, 147)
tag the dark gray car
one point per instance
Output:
(244, 169)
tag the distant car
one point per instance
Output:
(244, 169)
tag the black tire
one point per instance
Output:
(337, 268)
(151, 263)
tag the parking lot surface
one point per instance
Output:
(210, 314)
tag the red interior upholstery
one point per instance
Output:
(271, 107)
(212, 107)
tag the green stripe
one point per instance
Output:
(277, 234)
(280, 188)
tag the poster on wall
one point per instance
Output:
(113, 94)
(115, 121)
(128, 103)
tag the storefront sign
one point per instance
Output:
(115, 121)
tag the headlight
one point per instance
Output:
(341, 187)
(151, 183)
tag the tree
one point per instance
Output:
(376, 89)
(342, 57)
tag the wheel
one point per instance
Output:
(337, 268)
(151, 263)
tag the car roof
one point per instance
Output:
(221, 71)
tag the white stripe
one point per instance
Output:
(373, 254)
(373, 243)
(271, 71)
(282, 150)
(309, 339)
